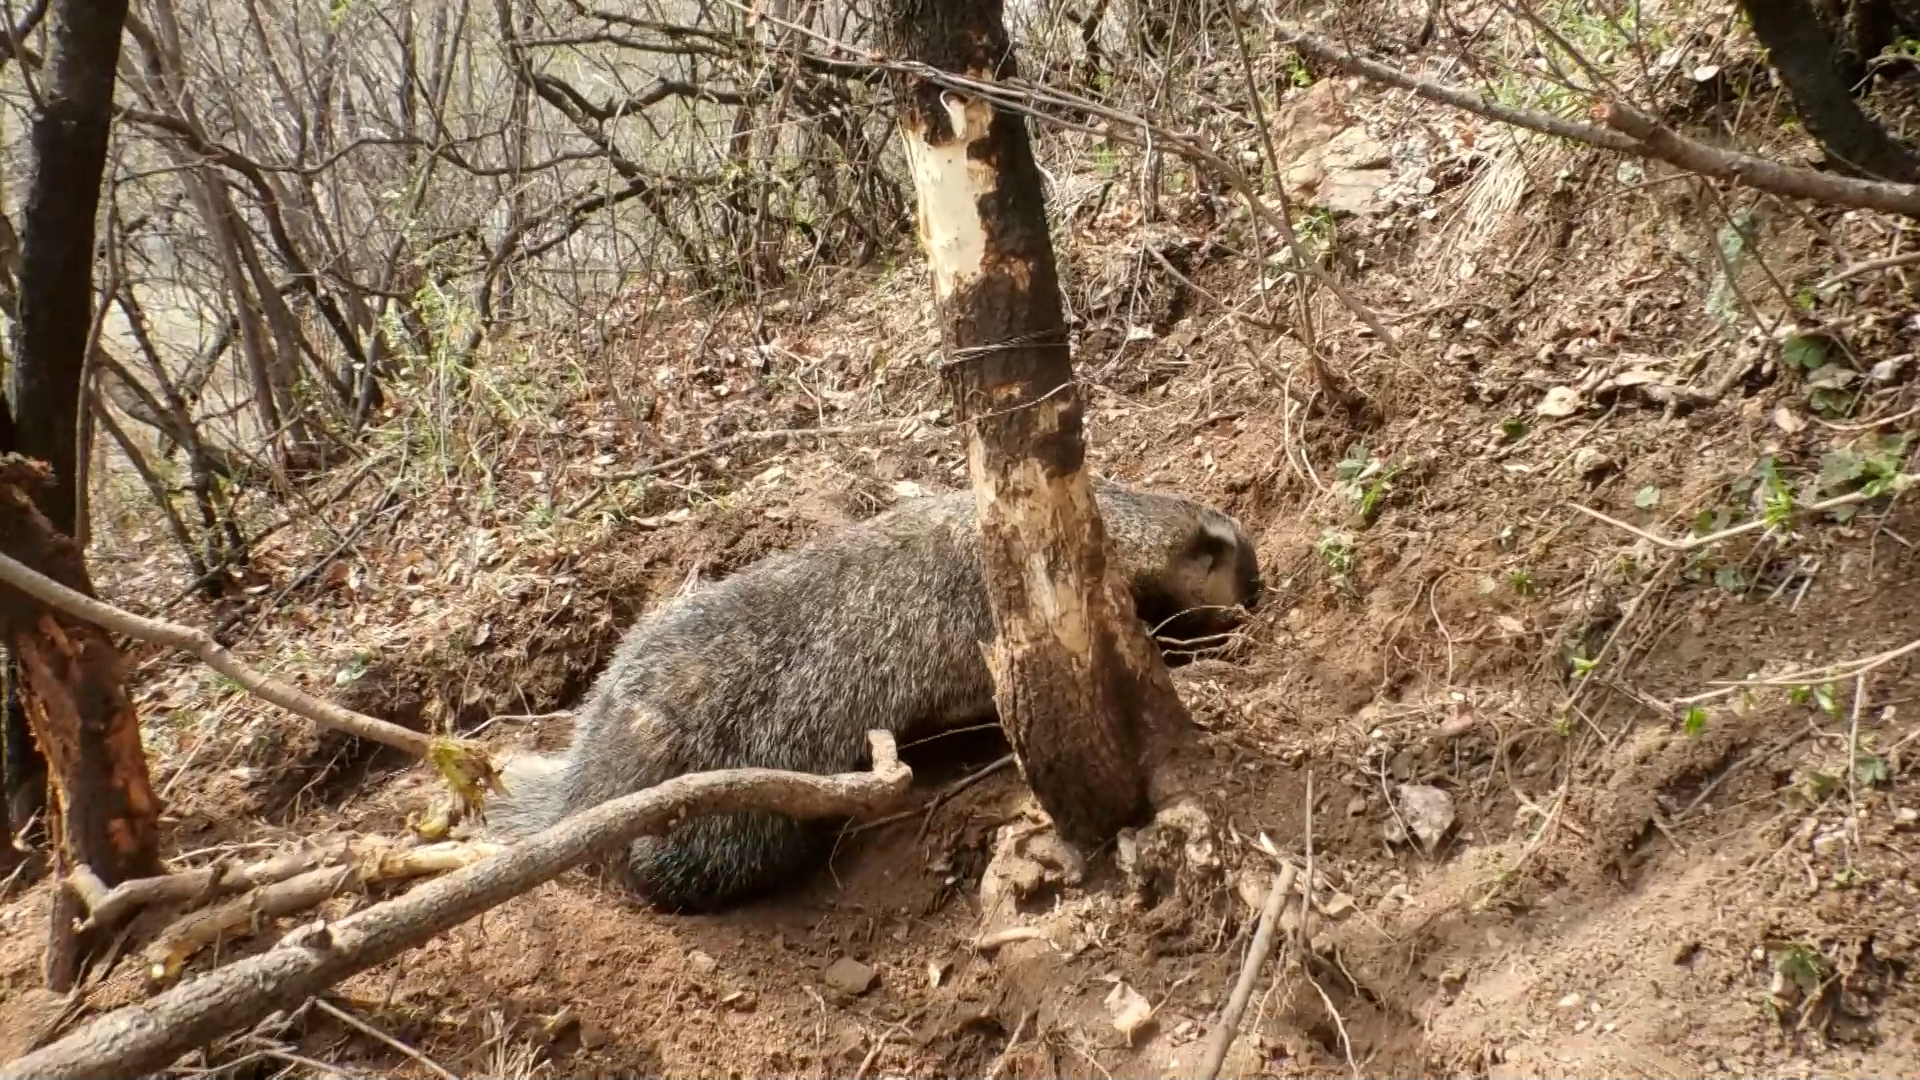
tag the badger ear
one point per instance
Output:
(1208, 544)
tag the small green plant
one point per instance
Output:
(1695, 721)
(1520, 581)
(1365, 482)
(1513, 428)
(1336, 551)
(1297, 72)
(1583, 666)
(1870, 465)
(1802, 965)
(1827, 699)
(1730, 579)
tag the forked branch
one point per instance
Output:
(144, 1038)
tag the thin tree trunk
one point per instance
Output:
(71, 123)
(1078, 685)
(1802, 52)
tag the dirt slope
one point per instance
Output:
(1628, 887)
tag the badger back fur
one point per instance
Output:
(788, 663)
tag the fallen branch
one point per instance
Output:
(147, 1037)
(1899, 483)
(1861, 269)
(1629, 131)
(1222, 1038)
(365, 863)
(202, 885)
(464, 764)
(1835, 672)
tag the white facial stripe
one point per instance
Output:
(1222, 532)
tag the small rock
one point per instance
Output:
(1571, 1001)
(849, 976)
(1356, 806)
(1129, 1010)
(740, 1001)
(592, 1036)
(1428, 813)
(1589, 463)
(701, 963)
(1906, 818)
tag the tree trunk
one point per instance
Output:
(1078, 684)
(69, 139)
(1802, 51)
(104, 812)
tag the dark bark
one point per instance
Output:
(69, 140)
(104, 813)
(1078, 685)
(1804, 54)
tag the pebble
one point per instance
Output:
(701, 963)
(849, 976)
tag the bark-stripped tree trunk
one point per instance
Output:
(103, 812)
(1077, 682)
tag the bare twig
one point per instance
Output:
(1899, 483)
(364, 863)
(464, 764)
(1629, 131)
(375, 1033)
(1222, 1038)
(748, 438)
(1846, 669)
(146, 1037)
(1862, 269)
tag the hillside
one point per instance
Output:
(1681, 771)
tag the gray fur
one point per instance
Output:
(788, 663)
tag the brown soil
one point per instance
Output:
(1623, 892)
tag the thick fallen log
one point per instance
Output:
(147, 1037)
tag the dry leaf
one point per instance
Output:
(1130, 1010)
(1560, 401)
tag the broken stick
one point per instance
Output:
(464, 764)
(1222, 1038)
(144, 1038)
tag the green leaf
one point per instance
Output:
(1804, 352)
(1839, 468)
(1823, 696)
(1647, 497)
(1582, 665)
(1800, 695)
(1871, 769)
(1730, 579)
(1513, 428)
(1696, 721)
